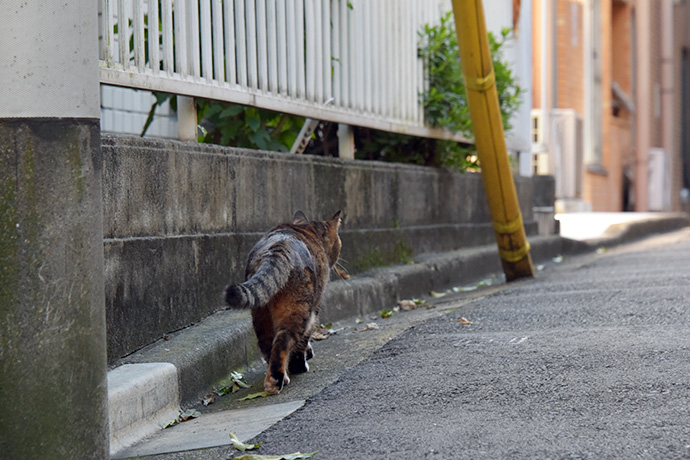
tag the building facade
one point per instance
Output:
(619, 70)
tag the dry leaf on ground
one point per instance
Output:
(239, 445)
(413, 304)
(342, 273)
(183, 417)
(371, 327)
(261, 394)
(295, 456)
(236, 382)
(464, 320)
(320, 334)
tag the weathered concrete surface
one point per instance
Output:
(53, 401)
(141, 399)
(180, 219)
(213, 430)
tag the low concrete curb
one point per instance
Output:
(141, 399)
(205, 353)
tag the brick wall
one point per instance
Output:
(569, 66)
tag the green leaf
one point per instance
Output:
(436, 294)
(253, 121)
(387, 313)
(261, 394)
(232, 111)
(239, 445)
(295, 456)
(261, 139)
(171, 423)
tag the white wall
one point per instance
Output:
(124, 111)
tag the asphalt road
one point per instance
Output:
(590, 359)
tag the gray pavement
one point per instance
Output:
(590, 359)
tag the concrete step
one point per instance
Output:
(141, 399)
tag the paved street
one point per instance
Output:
(591, 359)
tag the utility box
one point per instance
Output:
(659, 180)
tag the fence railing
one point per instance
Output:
(345, 61)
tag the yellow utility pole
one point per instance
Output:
(485, 113)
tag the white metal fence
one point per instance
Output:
(351, 62)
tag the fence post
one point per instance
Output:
(186, 119)
(485, 113)
(346, 142)
(53, 386)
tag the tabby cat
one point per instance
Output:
(286, 274)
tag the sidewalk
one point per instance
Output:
(589, 360)
(191, 351)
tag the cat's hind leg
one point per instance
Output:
(263, 326)
(299, 356)
(276, 376)
(303, 350)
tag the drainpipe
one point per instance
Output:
(667, 92)
(587, 46)
(643, 116)
(543, 86)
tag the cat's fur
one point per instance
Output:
(286, 274)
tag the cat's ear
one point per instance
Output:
(299, 218)
(335, 220)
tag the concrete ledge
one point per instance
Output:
(141, 399)
(205, 353)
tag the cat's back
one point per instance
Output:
(285, 244)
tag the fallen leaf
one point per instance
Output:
(465, 288)
(261, 394)
(558, 259)
(602, 250)
(238, 379)
(320, 334)
(236, 383)
(371, 327)
(359, 321)
(171, 423)
(436, 294)
(239, 445)
(183, 417)
(407, 305)
(191, 413)
(295, 456)
(465, 321)
(387, 313)
(208, 399)
(342, 273)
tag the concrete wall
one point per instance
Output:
(180, 219)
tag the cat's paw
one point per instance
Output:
(273, 385)
(298, 365)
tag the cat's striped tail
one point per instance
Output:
(270, 278)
